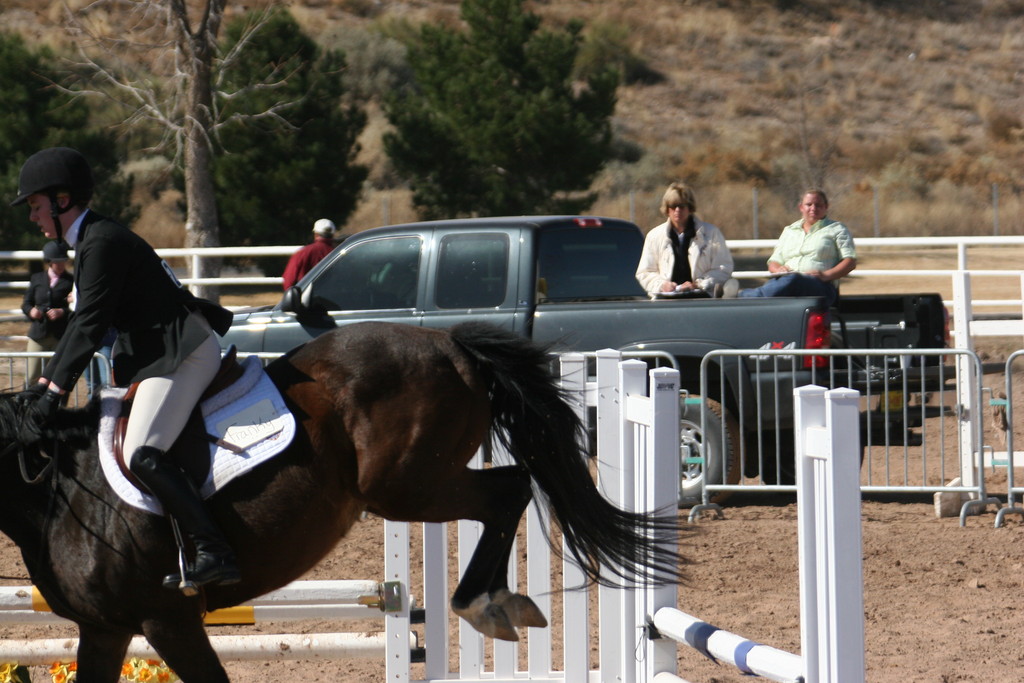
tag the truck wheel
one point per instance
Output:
(718, 452)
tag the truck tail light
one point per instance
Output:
(819, 336)
(588, 222)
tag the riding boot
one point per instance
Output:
(215, 560)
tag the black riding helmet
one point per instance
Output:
(55, 251)
(52, 170)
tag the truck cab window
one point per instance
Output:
(576, 264)
(472, 271)
(379, 274)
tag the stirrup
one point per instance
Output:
(181, 580)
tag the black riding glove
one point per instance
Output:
(23, 399)
(37, 416)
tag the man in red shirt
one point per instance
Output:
(304, 259)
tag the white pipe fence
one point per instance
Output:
(962, 244)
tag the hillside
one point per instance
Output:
(915, 106)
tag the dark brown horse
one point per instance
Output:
(389, 417)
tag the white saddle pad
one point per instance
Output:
(249, 415)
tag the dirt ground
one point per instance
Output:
(942, 602)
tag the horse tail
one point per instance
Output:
(538, 427)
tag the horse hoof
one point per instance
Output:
(500, 624)
(488, 618)
(521, 610)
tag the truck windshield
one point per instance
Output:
(588, 263)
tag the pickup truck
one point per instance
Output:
(568, 282)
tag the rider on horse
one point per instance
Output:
(165, 343)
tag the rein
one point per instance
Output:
(43, 473)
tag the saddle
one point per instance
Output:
(190, 451)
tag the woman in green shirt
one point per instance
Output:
(811, 255)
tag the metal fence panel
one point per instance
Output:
(912, 418)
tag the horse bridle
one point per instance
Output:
(43, 473)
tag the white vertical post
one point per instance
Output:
(754, 209)
(846, 583)
(608, 419)
(1021, 297)
(575, 630)
(967, 378)
(435, 599)
(632, 382)
(538, 576)
(808, 417)
(196, 268)
(995, 209)
(609, 474)
(660, 474)
(573, 370)
(397, 624)
(828, 514)
(471, 641)
(505, 652)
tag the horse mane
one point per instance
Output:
(74, 427)
(10, 417)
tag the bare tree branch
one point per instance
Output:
(162, 66)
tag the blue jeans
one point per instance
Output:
(795, 284)
(97, 373)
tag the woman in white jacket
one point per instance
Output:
(707, 265)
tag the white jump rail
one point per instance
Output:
(278, 647)
(300, 600)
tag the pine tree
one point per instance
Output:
(37, 115)
(496, 124)
(290, 158)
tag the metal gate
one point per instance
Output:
(920, 430)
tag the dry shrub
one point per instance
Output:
(1011, 42)
(376, 65)
(360, 8)
(969, 169)
(1003, 8)
(873, 155)
(161, 222)
(739, 104)
(944, 214)
(730, 206)
(1002, 125)
(695, 27)
(932, 53)
(611, 44)
(963, 97)
(716, 162)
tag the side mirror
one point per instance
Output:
(292, 300)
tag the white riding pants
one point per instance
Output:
(163, 404)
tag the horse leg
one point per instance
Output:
(521, 610)
(186, 649)
(482, 597)
(100, 654)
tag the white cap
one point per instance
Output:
(324, 226)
